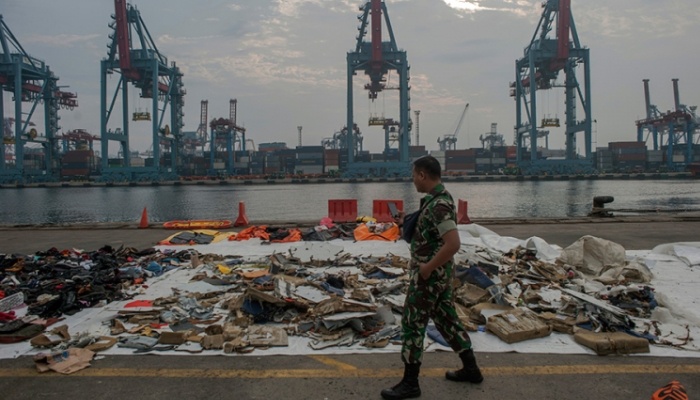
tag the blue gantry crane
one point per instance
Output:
(376, 58)
(538, 70)
(134, 55)
(225, 134)
(31, 81)
(339, 140)
(679, 127)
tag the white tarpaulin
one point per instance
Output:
(675, 284)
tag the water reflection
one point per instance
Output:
(531, 199)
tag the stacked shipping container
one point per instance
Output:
(309, 160)
(78, 163)
(331, 161)
(629, 156)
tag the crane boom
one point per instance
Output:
(449, 141)
(461, 119)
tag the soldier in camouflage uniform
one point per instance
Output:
(433, 245)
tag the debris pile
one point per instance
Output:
(323, 296)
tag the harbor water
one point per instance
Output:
(308, 202)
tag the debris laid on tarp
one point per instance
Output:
(339, 295)
(198, 236)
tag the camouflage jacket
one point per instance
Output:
(437, 218)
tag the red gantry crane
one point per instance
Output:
(544, 58)
(134, 55)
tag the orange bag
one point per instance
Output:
(252, 232)
(362, 232)
(294, 236)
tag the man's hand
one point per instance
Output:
(398, 219)
(424, 270)
(447, 251)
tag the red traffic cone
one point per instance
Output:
(144, 219)
(242, 220)
(462, 214)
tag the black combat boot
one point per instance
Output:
(408, 387)
(469, 372)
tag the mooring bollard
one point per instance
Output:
(598, 209)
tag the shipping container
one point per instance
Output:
(655, 155)
(417, 151)
(460, 166)
(460, 153)
(498, 152)
(77, 155)
(309, 161)
(115, 162)
(309, 169)
(631, 157)
(272, 147)
(331, 155)
(72, 173)
(309, 149)
(304, 156)
(331, 162)
(626, 145)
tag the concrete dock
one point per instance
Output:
(357, 376)
(632, 232)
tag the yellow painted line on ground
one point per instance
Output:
(334, 363)
(346, 372)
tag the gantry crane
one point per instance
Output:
(339, 140)
(77, 139)
(145, 68)
(492, 139)
(449, 141)
(678, 126)
(376, 58)
(29, 80)
(225, 134)
(538, 70)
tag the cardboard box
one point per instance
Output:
(481, 310)
(469, 294)
(604, 343)
(64, 362)
(517, 325)
(562, 323)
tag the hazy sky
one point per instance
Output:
(285, 61)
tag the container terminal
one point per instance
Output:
(220, 149)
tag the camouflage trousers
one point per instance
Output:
(426, 299)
